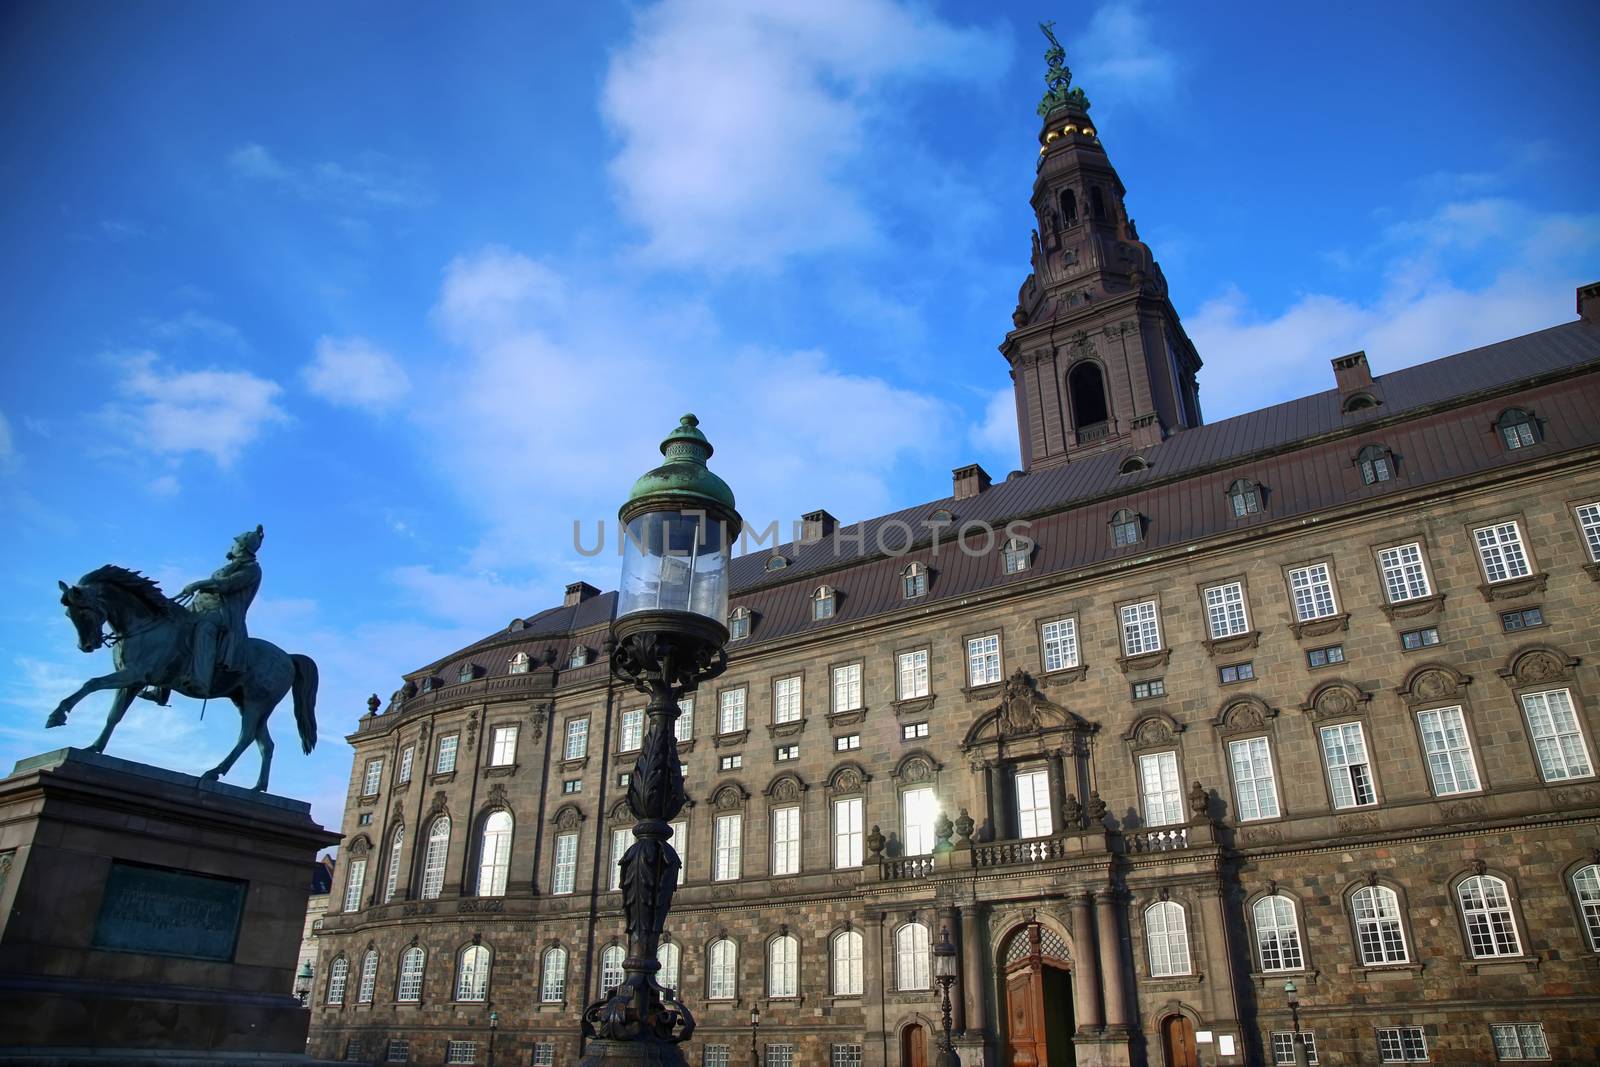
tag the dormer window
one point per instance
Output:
(466, 673)
(519, 663)
(942, 515)
(1518, 429)
(915, 578)
(1360, 402)
(1015, 554)
(579, 657)
(427, 684)
(739, 624)
(1126, 528)
(1245, 498)
(1376, 463)
(822, 603)
(776, 563)
(1133, 465)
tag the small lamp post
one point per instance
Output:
(302, 982)
(494, 1024)
(755, 1025)
(1296, 1042)
(944, 972)
(679, 524)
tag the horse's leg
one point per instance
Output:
(119, 707)
(247, 731)
(117, 680)
(264, 743)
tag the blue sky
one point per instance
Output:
(417, 289)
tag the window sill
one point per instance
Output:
(913, 705)
(786, 729)
(1304, 975)
(441, 777)
(1173, 982)
(1065, 675)
(731, 739)
(1328, 624)
(1227, 646)
(1414, 608)
(1512, 588)
(570, 765)
(367, 801)
(1501, 965)
(499, 770)
(1593, 569)
(1385, 971)
(1144, 661)
(848, 717)
(979, 692)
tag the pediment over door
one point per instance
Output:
(1024, 718)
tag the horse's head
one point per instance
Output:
(88, 615)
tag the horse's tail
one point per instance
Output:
(305, 700)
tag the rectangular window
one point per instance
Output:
(983, 660)
(570, 786)
(845, 1056)
(373, 779)
(623, 779)
(565, 876)
(1589, 523)
(731, 763)
(1501, 553)
(1526, 619)
(727, 863)
(847, 743)
(1426, 637)
(620, 842)
(1253, 780)
(684, 728)
(1146, 690)
(1060, 639)
(1520, 1041)
(779, 1056)
(1141, 628)
(1158, 782)
(1325, 657)
(399, 1051)
(1404, 576)
(912, 731)
(405, 764)
(1449, 752)
(848, 832)
(1556, 737)
(919, 808)
(1312, 588)
(461, 1052)
(847, 687)
(912, 675)
(1283, 1046)
(1236, 672)
(447, 754)
(786, 840)
(716, 1056)
(1402, 1044)
(577, 739)
(353, 885)
(786, 700)
(1225, 612)
(544, 1054)
(680, 845)
(503, 752)
(630, 734)
(1344, 750)
(1033, 804)
(364, 819)
(731, 719)
(785, 753)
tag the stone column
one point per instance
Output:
(950, 919)
(1085, 964)
(1058, 792)
(1112, 965)
(874, 1053)
(992, 806)
(974, 975)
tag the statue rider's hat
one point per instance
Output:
(251, 539)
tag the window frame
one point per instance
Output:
(824, 603)
(1179, 813)
(720, 851)
(1150, 939)
(558, 974)
(1294, 927)
(854, 839)
(1575, 706)
(477, 950)
(791, 965)
(428, 873)
(1336, 600)
(1479, 785)
(497, 734)
(558, 865)
(498, 867)
(1585, 902)
(1327, 769)
(903, 793)
(1401, 922)
(1272, 777)
(1375, 454)
(1518, 525)
(1517, 428)
(858, 962)
(1510, 911)
(860, 686)
(743, 690)
(578, 741)
(926, 670)
(1588, 528)
(921, 957)
(454, 749)
(775, 840)
(739, 620)
(1153, 603)
(402, 994)
(714, 986)
(1249, 492)
(967, 641)
(1070, 620)
(1232, 582)
(799, 711)
(915, 580)
(1422, 563)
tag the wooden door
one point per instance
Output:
(1025, 1021)
(1177, 1036)
(913, 1047)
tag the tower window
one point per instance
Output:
(1125, 528)
(1517, 429)
(1245, 498)
(1069, 207)
(1097, 204)
(1087, 390)
(1376, 463)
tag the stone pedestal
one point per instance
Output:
(147, 916)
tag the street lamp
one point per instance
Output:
(679, 523)
(944, 972)
(494, 1024)
(755, 1024)
(1297, 1043)
(302, 982)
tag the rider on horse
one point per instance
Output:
(219, 607)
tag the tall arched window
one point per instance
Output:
(338, 975)
(1168, 938)
(669, 957)
(915, 580)
(1486, 909)
(472, 979)
(1379, 932)
(912, 959)
(611, 972)
(722, 972)
(1097, 203)
(1069, 207)
(494, 854)
(848, 955)
(822, 603)
(783, 967)
(409, 989)
(1277, 935)
(1086, 389)
(434, 857)
(1586, 886)
(553, 980)
(391, 879)
(369, 977)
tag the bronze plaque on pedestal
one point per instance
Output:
(166, 912)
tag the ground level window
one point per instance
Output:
(461, 1052)
(1520, 1041)
(913, 730)
(1146, 690)
(1236, 672)
(1323, 657)
(716, 1056)
(1402, 1044)
(544, 1054)
(1426, 637)
(1283, 1046)
(399, 1052)
(779, 1056)
(354, 1050)
(1526, 619)
(845, 1056)
(847, 743)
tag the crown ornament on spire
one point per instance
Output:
(1058, 77)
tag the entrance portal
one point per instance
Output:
(913, 1046)
(1038, 984)
(1177, 1039)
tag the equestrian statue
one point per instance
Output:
(195, 644)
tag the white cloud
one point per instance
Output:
(193, 324)
(172, 412)
(1120, 59)
(370, 179)
(996, 435)
(8, 447)
(165, 486)
(739, 122)
(356, 373)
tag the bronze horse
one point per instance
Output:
(150, 638)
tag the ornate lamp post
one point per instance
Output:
(755, 1025)
(302, 982)
(1296, 1042)
(944, 972)
(679, 522)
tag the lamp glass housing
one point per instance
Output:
(944, 958)
(675, 561)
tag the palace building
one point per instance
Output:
(1178, 714)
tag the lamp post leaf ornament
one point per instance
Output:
(679, 524)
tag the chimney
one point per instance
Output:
(1145, 430)
(577, 593)
(815, 525)
(969, 480)
(1352, 374)
(1589, 303)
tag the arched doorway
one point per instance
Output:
(914, 1046)
(1036, 969)
(1177, 1042)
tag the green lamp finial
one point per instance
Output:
(1058, 76)
(684, 480)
